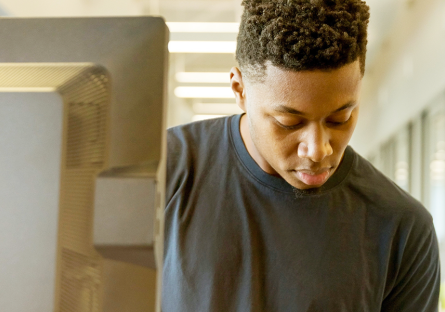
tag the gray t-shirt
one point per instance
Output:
(239, 239)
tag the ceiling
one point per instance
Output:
(383, 15)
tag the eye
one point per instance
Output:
(288, 122)
(289, 127)
(338, 122)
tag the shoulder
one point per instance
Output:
(192, 148)
(193, 135)
(199, 129)
(385, 197)
(406, 232)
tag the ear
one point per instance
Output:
(238, 87)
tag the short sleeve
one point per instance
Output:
(177, 161)
(417, 285)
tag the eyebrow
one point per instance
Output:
(290, 110)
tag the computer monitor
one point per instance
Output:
(82, 167)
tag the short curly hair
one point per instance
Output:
(301, 35)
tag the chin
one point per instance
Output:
(302, 186)
(297, 183)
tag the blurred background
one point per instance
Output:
(402, 120)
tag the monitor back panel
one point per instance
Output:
(81, 97)
(31, 138)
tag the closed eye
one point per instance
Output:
(337, 123)
(292, 127)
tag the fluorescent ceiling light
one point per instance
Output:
(203, 77)
(216, 108)
(176, 27)
(204, 92)
(204, 117)
(202, 46)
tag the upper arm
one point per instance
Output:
(417, 285)
(174, 152)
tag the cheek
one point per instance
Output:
(340, 139)
(283, 147)
(270, 141)
(346, 135)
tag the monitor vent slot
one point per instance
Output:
(86, 98)
(77, 210)
(38, 75)
(80, 283)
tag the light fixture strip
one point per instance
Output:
(202, 46)
(204, 92)
(180, 27)
(216, 108)
(205, 117)
(202, 77)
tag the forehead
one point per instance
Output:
(309, 89)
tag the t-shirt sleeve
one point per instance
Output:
(417, 283)
(176, 156)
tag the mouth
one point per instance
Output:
(313, 178)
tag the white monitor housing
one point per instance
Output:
(82, 172)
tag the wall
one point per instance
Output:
(407, 74)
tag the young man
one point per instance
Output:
(271, 210)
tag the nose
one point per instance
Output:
(314, 143)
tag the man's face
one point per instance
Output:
(298, 124)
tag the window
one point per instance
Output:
(434, 166)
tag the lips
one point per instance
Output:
(313, 178)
